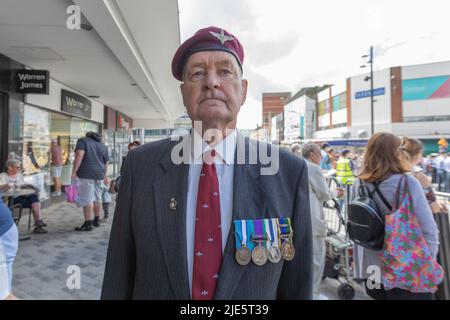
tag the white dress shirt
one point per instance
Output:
(224, 162)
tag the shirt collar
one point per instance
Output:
(225, 149)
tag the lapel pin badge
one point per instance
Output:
(173, 204)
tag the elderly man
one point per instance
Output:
(13, 177)
(214, 225)
(319, 192)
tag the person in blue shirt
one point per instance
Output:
(325, 163)
(9, 243)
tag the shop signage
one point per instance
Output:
(365, 94)
(32, 81)
(75, 104)
(123, 122)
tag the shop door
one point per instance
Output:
(3, 130)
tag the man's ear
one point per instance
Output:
(182, 88)
(244, 90)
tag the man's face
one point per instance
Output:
(316, 156)
(213, 90)
(14, 169)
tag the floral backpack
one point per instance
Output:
(407, 262)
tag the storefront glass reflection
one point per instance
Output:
(30, 142)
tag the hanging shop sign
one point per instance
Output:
(75, 104)
(32, 81)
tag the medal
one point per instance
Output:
(287, 248)
(243, 254)
(274, 253)
(259, 253)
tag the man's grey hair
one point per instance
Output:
(296, 148)
(309, 148)
(12, 162)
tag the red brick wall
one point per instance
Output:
(272, 105)
(396, 95)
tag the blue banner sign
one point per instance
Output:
(365, 94)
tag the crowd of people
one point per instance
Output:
(386, 161)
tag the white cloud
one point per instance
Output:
(294, 43)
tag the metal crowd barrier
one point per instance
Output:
(336, 224)
(443, 223)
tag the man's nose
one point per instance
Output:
(211, 81)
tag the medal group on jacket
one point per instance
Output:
(262, 240)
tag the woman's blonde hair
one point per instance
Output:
(384, 157)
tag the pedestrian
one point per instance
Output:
(414, 150)
(9, 243)
(319, 192)
(56, 165)
(326, 163)
(90, 171)
(446, 167)
(345, 168)
(183, 223)
(433, 158)
(131, 146)
(332, 157)
(385, 164)
(441, 174)
(106, 200)
(296, 149)
(12, 179)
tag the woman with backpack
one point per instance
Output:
(399, 195)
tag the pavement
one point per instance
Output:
(68, 265)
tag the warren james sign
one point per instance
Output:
(75, 104)
(32, 81)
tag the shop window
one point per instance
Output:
(35, 149)
(15, 134)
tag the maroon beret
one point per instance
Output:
(207, 39)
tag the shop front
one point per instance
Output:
(117, 134)
(32, 115)
(33, 129)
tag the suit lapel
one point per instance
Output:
(249, 203)
(171, 224)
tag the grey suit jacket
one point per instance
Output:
(147, 247)
(319, 192)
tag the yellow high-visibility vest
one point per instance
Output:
(343, 171)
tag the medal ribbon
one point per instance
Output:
(259, 231)
(268, 228)
(241, 232)
(244, 231)
(274, 232)
(285, 226)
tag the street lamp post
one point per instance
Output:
(371, 87)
